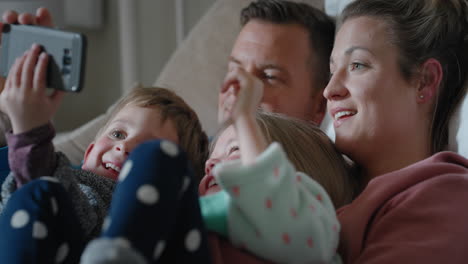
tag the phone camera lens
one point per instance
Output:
(67, 60)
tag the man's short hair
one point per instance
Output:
(321, 28)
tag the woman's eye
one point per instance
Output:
(117, 134)
(357, 66)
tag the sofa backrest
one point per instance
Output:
(196, 69)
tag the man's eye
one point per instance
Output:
(117, 134)
(267, 76)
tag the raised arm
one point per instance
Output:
(244, 92)
(272, 210)
(30, 109)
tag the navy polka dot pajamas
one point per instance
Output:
(155, 213)
(39, 225)
(154, 217)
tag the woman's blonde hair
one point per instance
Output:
(311, 151)
(192, 138)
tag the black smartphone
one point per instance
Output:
(66, 50)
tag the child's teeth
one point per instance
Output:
(112, 166)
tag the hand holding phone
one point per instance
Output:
(41, 18)
(67, 52)
(25, 99)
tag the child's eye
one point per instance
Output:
(233, 149)
(117, 134)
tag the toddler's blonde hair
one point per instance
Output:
(311, 151)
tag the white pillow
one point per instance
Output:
(334, 7)
(458, 129)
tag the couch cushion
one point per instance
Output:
(458, 129)
(196, 69)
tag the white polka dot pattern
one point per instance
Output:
(158, 250)
(193, 240)
(49, 179)
(106, 223)
(185, 184)
(54, 204)
(147, 194)
(62, 253)
(39, 230)
(125, 170)
(169, 148)
(19, 219)
(112, 254)
(123, 242)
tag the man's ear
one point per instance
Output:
(86, 155)
(319, 109)
(430, 77)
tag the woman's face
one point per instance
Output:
(372, 105)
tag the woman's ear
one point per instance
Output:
(431, 75)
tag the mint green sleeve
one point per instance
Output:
(214, 210)
(278, 213)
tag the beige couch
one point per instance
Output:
(195, 72)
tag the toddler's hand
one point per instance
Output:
(25, 99)
(243, 93)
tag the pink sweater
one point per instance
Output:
(418, 214)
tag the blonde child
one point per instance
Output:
(47, 219)
(254, 195)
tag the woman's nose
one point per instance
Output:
(335, 89)
(209, 165)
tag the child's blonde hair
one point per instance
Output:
(192, 138)
(311, 151)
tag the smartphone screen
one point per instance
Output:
(66, 50)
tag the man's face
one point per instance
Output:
(280, 56)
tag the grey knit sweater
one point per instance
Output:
(90, 194)
(31, 155)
